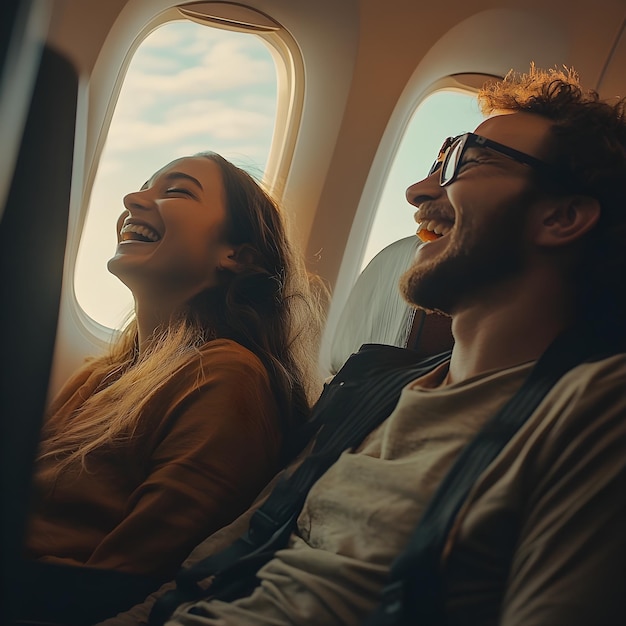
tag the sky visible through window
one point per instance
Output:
(189, 88)
(442, 114)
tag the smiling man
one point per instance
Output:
(526, 226)
(510, 237)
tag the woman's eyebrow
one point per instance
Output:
(174, 175)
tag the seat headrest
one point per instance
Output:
(375, 312)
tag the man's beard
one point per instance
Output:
(463, 272)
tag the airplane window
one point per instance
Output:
(440, 115)
(189, 88)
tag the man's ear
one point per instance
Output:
(566, 219)
(237, 258)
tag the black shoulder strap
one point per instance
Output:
(359, 398)
(414, 593)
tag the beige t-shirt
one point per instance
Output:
(360, 514)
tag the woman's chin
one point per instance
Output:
(123, 266)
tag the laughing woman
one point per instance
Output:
(171, 435)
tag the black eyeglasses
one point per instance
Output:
(451, 156)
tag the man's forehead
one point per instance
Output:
(523, 131)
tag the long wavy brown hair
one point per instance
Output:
(273, 307)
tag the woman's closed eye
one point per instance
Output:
(180, 190)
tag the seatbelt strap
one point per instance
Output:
(414, 594)
(345, 414)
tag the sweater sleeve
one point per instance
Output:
(213, 452)
(569, 566)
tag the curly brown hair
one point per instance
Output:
(589, 142)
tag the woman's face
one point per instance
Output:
(171, 238)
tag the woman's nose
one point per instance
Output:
(137, 200)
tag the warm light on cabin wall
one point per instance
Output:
(443, 114)
(189, 88)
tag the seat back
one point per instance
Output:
(376, 312)
(33, 231)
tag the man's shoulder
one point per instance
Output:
(597, 377)
(373, 360)
(588, 400)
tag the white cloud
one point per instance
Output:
(186, 119)
(165, 37)
(227, 65)
(217, 76)
(232, 61)
(155, 64)
(259, 103)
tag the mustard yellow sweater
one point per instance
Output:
(208, 443)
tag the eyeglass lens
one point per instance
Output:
(451, 161)
(443, 151)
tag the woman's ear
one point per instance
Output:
(236, 258)
(566, 219)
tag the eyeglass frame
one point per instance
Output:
(472, 139)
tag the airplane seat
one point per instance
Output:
(33, 232)
(376, 312)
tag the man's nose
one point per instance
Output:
(426, 189)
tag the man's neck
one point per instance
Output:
(514, 327)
